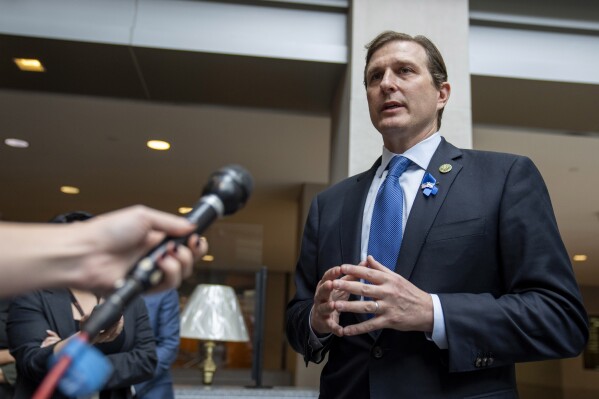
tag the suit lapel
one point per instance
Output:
(425, 209)
(351, 223)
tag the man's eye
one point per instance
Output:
(375, 76)
(405, 70)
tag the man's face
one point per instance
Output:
(402, 98)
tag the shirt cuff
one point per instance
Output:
(315, 342)
(438, 336)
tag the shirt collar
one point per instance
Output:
(420, 154)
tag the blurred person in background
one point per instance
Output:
(8, 372)
(163, 309)
(42, 322)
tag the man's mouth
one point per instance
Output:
(392, 105)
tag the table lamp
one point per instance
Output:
(213, 314)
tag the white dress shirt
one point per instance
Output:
(410, 181)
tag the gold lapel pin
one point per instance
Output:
(445, 168)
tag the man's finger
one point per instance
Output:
(358, 288)
(376, 323)
(336, 329)
(323, 292)
(376, 265)
(349, 277)
(324, 309)
(331, 274)
(358, 307)
(364, 273)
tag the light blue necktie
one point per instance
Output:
(386, 223)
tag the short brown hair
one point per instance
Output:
(436, 65)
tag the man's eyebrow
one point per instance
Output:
(394, 63)
(373, 68)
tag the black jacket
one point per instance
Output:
(488, 245)
(32, 314)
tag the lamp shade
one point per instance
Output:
(213, 313)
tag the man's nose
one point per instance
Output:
(389, 82)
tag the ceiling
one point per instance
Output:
(170, 76)
(89, 116)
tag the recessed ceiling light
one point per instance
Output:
(579, 258)
(16, 143)
(184, 209)
(159, 145)
(29, 64)
(69, 190)
(207, 258)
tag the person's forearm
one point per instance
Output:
(93, 254)
(5, 357)
(37, 255)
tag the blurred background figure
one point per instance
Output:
(40, 324)
(163, 309)
(8, 373)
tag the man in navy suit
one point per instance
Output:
(163, 309)
(481, 280)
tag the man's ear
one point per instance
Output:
(444, 93)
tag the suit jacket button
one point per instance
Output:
(478, 362)
(377, 352)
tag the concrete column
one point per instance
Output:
(355, 142)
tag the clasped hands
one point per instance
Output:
(401, 305)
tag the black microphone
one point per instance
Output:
(227, 191)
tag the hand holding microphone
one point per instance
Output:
(114, 241)
(227, 191)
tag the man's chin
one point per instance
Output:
(392, 129)
(392, 124)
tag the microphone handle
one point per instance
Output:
(146, 273)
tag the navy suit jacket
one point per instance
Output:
(32, 314)
(488, 244)
(163, 309)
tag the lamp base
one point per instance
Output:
(208, 365)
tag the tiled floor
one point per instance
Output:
(231, 383)
(246, 393)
